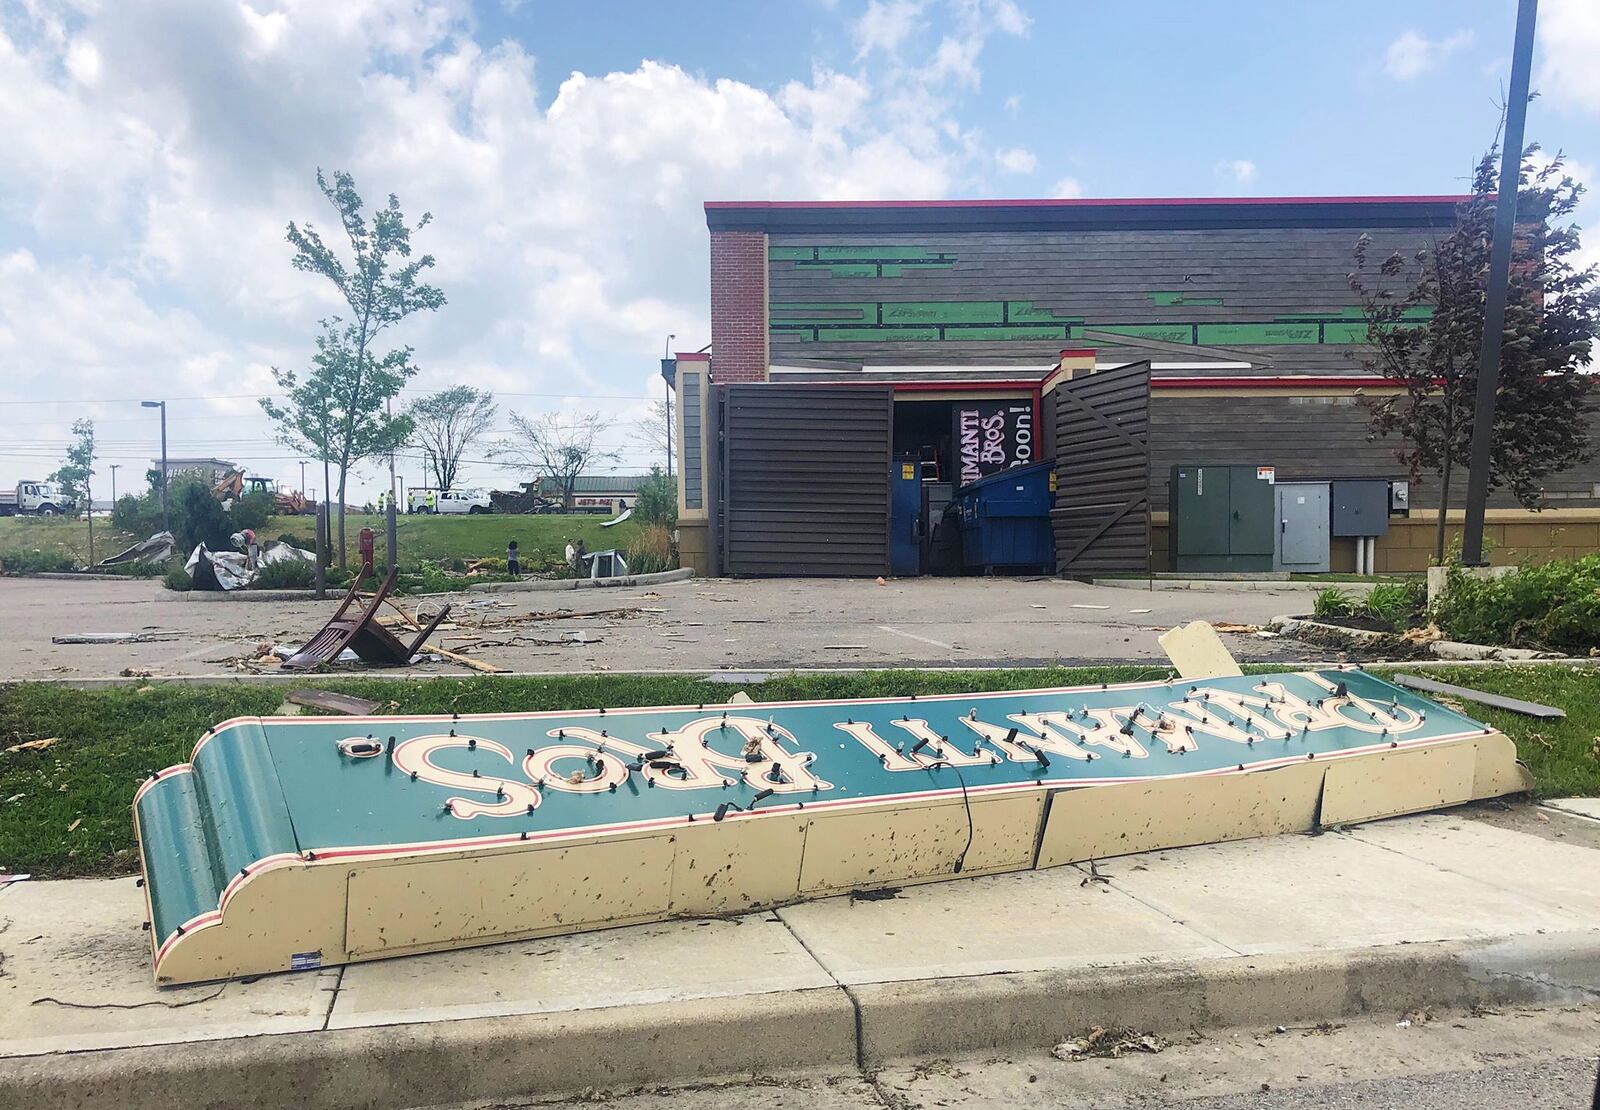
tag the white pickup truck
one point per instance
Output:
(463, 501)
(33, 498)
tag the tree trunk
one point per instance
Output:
(1440, 529)
(344, 473)
(326, 554)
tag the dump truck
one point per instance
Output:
(32, 497)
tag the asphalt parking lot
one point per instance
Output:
(699, 624)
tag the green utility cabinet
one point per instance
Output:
(1221, 518)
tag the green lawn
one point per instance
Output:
(110, 740)
(420, 537)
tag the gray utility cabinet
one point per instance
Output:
(1222, 519)
(1303, 543)
(1361, 507)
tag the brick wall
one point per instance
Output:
(738, 306)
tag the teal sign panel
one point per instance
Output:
(343, 787)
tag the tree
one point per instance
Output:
(74, 473)
(656, 500)
(446, 424)
(652, 432)
(382, 286)
(558, 447)
(334, 412)
(1425, 318)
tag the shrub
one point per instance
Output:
(651, 551)
(36, 562)
(656, 501)
(177, 578)
(1555, 606)
(1397, 603)
(138, 568)
(492, 565)
(289, 574)
(1334, 602)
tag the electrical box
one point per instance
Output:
(1400, 497)
(1302, 509)
(1361, 507)
(1221, 518)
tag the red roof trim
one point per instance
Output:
(1076, 202)
(692, 356)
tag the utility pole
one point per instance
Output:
(114, 485)
(665, 357)
(1494, 309)
(166, 512)
(302, 477)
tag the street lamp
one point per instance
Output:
(166, 518)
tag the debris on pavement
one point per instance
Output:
(360, 632)
(1240, 629)
(113, 637)
(1107, 1044)
(159, 548)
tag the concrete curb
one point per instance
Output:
(1274, 584)
(1318, 632)
(558, 584)
(78, 576)
(862, 1027)
(249, 595)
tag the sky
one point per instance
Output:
(154, 151)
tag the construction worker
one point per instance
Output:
(433, 501)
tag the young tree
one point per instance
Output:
(382, 285)
(558, 447)
(446, 424)
(334, 412)
(75, 472)
(652, 432)
(1425, 318)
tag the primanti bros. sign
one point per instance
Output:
(991, 436)
(340, 839)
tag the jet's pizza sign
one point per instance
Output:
(991, 436)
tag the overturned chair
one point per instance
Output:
(361, 633)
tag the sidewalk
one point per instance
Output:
(1433, 910)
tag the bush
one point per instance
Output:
(656, 501)
(290, 574)
(139, 568)
(651, 551)
(36, 562)
(1397, 604)
(177, 578)
(1334, 602)
(1555, 606)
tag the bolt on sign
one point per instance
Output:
(991, 436)
(301, 842)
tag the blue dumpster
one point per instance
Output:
(1005, 519)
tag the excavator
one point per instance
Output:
(236, 484)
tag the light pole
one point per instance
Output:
(302, 477)
(666, 357)
(114, 486)
(166, 516)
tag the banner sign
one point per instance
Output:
(991, 436)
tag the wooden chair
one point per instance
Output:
(361, 633)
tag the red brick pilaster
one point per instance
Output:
(739, 306)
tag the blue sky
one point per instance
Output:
(159, 147)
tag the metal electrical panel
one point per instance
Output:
(1302, 527)
(1221, 518)
(1361, 507)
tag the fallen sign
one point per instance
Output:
(302, 842)
(1516, 705)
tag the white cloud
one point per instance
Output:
(1067, 188)
(886, 25)
(1017, 160)
(1413, 54)
(1238, 171)
(568, 227)
(1569, 43)
(1013, 104)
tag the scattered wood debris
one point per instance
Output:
(335, 703)
(1241, 629)
(1107, 1043)
(33, 745)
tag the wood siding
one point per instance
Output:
(806, 486)
(1101, 432)
(1147, 278)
